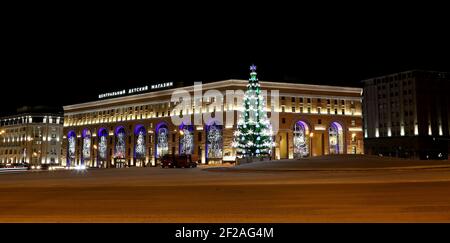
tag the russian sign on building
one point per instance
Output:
(135, 90)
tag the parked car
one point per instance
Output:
(167, 161)
(20, 165)
(179, 161)
(44, 167)
(49, 166)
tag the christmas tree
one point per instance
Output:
(253, 137)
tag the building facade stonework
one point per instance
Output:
(136, 130)
(31, 138)
(406, 114)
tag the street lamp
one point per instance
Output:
(311, 135)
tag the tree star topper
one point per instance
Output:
(253, 68)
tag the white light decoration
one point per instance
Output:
(71, 147)
(120, 144)
(214, 141)
(140, 144)
(162, 146)
(186, 141)
(254, 132)
(87, 147)
(102, 146)
(301, 148)
(336, 138)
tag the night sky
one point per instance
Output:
(61, 66)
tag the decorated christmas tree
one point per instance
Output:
(253, 136)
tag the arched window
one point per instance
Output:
(71, 139)
(162, 140)
(102, 144)
(86, 135)
(301, 139)
(214, 145)
(120, 143)
(186, 139)
(139, 148)
(336, 138)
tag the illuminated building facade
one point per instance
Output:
(137, 129)
(407, 115)
(33, 136)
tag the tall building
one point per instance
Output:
(407, 115)
(134, 127)
(33, 136)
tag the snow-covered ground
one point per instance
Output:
(339, 162)
(419, 194)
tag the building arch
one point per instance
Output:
(161, 139)
(301, 139)
(71, 148)
(186, 141)
(140, 144)
(336, 138)
(102, 154)
(120, 147)
(214, 141)
(86, 158)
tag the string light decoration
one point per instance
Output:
(140, 144)
(102, 146)
(253, 136)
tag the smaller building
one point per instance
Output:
(407, 115)
(32, 136)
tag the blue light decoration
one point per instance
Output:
(162, 137)
(71, 139)
(335, 135)
(102, 144)
(86, 135)
(301, 140)
(139, 148)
